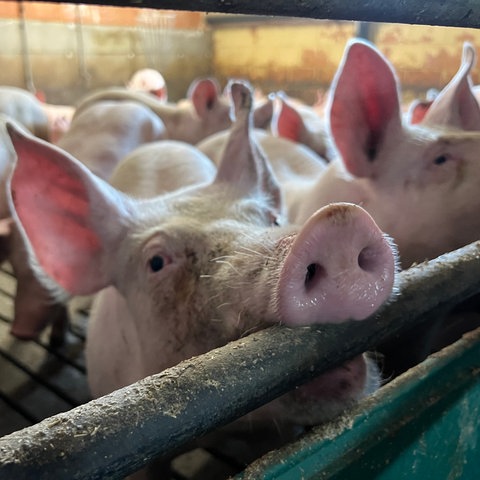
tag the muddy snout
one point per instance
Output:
(340, 267)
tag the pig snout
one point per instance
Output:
(340, 266)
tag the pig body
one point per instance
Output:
(23, 107)
(160, 167)
(190, 270)
(113, 130)
(46, 121)
(205, 112)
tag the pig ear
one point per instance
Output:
(263, 113)
(67, 214)
(417, 111)
(244, 164)
(456, 105)
(287, 121)
(204, 94)
(364, 107)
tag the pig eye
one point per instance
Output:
(156, 263)
(440, 160)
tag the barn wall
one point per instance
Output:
(75, 48)
(306, 54)
(72, 49)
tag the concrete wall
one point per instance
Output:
(301, 56)
(75, 48)
(66, 58)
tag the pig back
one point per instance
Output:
(162, 167)
(26, 109)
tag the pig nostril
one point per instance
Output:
(314, 272)
(367, 259)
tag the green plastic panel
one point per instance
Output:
(424, 424)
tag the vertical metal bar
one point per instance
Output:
(82, 66)
(366, 30)
(27, 68)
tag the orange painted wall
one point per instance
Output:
(98, 15)
(300, 56)
(296, 55)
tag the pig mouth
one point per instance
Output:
(329, 394)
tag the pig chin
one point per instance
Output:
(331, 393)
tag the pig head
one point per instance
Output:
(188, 271)
(419, 182)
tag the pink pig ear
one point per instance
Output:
(456, 105)
(67, 214)
(417, 111)
(287, 121)
(204, 95)
(364, 107)
(243, 164)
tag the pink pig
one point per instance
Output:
(149, 80)
(204, 112)
(419, 182)
(303, 124)
(190, 270)
(101, 134)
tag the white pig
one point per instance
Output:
(419, 182)
(303, 124)
(191, 270)
(160, 167)
(33, 306)
(204, 112)
(26, 109)
(104, 132)
(149, 80)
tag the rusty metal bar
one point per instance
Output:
(112, 436)
(455, 13)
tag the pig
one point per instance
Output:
(418, 108)
(99, 136)
(420, 112)
(113, 129)
(149, 80)
(419, 182)
(301, 123)
(59, 118)
(160, 167)
(153, 169)
(25, 108)
(294, 164)
(44, 120)
(190, 270)
(204, 112)
(32, 303)
(384, 163)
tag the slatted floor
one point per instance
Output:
(38, 381)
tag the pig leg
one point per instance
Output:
(34, 306)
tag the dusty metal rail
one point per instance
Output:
(455, 13)
(116, 434)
